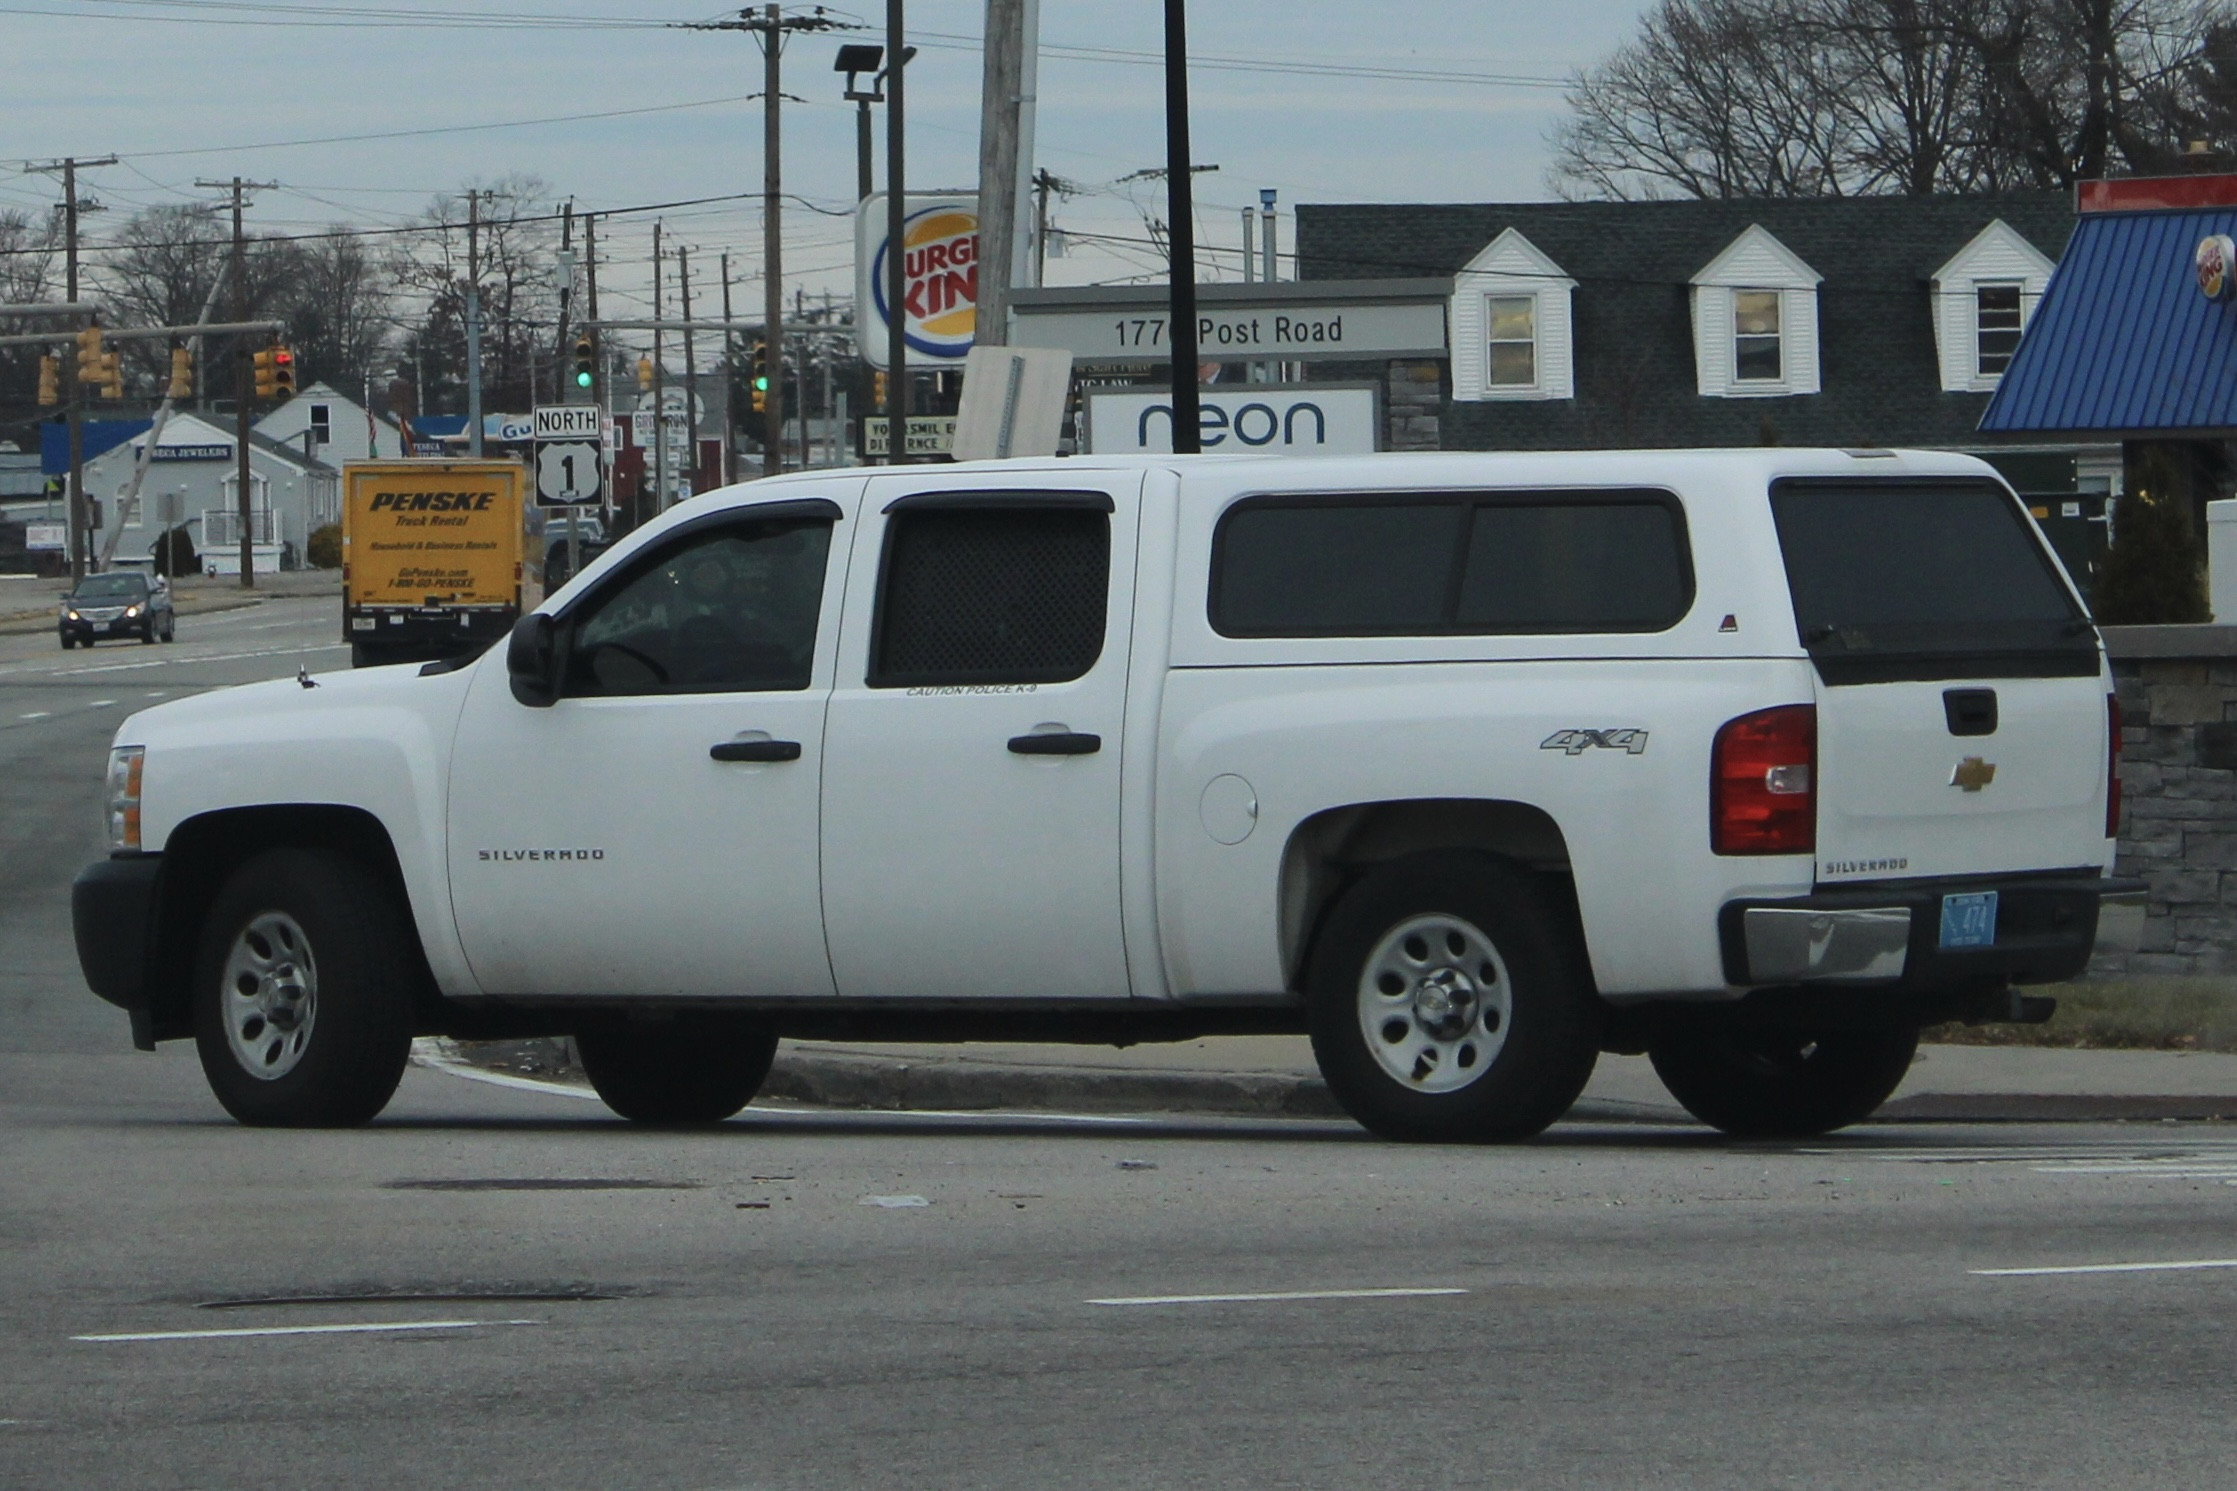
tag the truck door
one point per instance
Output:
(1961, 705)
(971, 755)
(654, 831)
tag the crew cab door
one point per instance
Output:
(653, 832)
(1961, 703)
(971, 755)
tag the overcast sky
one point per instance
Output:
(210, 88)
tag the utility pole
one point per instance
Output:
(659, 391)
(999, 205)
(769, 29)
(81, 512)
(598, 389)
(1180, 213)
(691, 368)
(772, 269)
(896, 226)
(474, 324)
(244, 380)
(729, 379)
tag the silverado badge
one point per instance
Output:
(1972, 773)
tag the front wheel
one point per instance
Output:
(302, 998)
(692, 1068)
(1445, 1004)
(1783, 1084)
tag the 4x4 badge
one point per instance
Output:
(1972, 773)
(1577, 742)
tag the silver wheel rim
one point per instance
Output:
(1435, 1003)
(270, 995)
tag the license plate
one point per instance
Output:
(1969, 920)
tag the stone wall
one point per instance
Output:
(1417, 394)
(2178, 698)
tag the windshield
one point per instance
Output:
(1920, 580)
(110, 587)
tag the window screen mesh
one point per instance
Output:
(981, 595)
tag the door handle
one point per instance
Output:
(1056, 743)
(755, 750)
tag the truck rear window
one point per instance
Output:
(1897, 580)
(1451, 564)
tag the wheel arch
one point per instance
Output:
(1331, 850)
(203, 852)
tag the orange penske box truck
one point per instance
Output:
(433, 558)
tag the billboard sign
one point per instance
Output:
(940, 265)
(1297, 419)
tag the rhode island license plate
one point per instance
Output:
(1969, 920)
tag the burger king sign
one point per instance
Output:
(940, 270)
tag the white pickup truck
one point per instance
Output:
(1469, 766)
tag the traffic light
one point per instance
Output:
(182, 375)
(275, 373)
(644, 374)
(586, 361)
(50, 381)
(877, 390)
(760, 377)
(90, 355)
(112, 376)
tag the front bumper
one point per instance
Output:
(112, 911)
(1888, 934)
(122, 626)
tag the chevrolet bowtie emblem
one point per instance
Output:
(1972, 773)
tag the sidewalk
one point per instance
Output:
(1274, 1076)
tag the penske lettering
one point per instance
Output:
(433, 502)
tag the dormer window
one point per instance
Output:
(1755, 321)
(1983, 298)
(1510, 325)
(1996, 327)
(1755, 336)
(1514, 341)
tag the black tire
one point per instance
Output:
(1783, 1084)
(1542, 1044)
(688, 1069)
(68, 642)
(147, 633)
(355, 939)
(171, 630)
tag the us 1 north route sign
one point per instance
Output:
(570, 469)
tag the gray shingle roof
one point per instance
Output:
(1633, 330)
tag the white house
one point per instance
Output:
(340, 428)
(194, 478)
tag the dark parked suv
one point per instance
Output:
(117, 604)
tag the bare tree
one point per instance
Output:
(1717, 98)
(339, 309)
(519, 288)
(29, 246)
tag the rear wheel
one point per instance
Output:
(689, 1069)
(302, 996)
(1446, 1005)
(1783, 1084)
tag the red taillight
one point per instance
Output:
(1763, 787)
(2112, 766)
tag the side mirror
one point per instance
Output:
(532, 661)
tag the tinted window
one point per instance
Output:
(991, 595)
(1464, 565)
(732, 610)
(111, 587)
(1904, 579)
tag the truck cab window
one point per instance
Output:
(991, 595)
(728, 611)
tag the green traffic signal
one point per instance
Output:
(582, 377)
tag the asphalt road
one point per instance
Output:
(806, 1300)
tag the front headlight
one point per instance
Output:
(131, 611)
(124, 798)
(73, 615)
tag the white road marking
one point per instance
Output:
(36, 714)
(203, 657)
(1292, 1294)
(2104, 1268)
(101, 704)
(502, 1079)
(302, 1330)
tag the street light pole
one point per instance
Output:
(896, 227)
(1180, 231)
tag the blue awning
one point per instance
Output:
(2124, 343)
